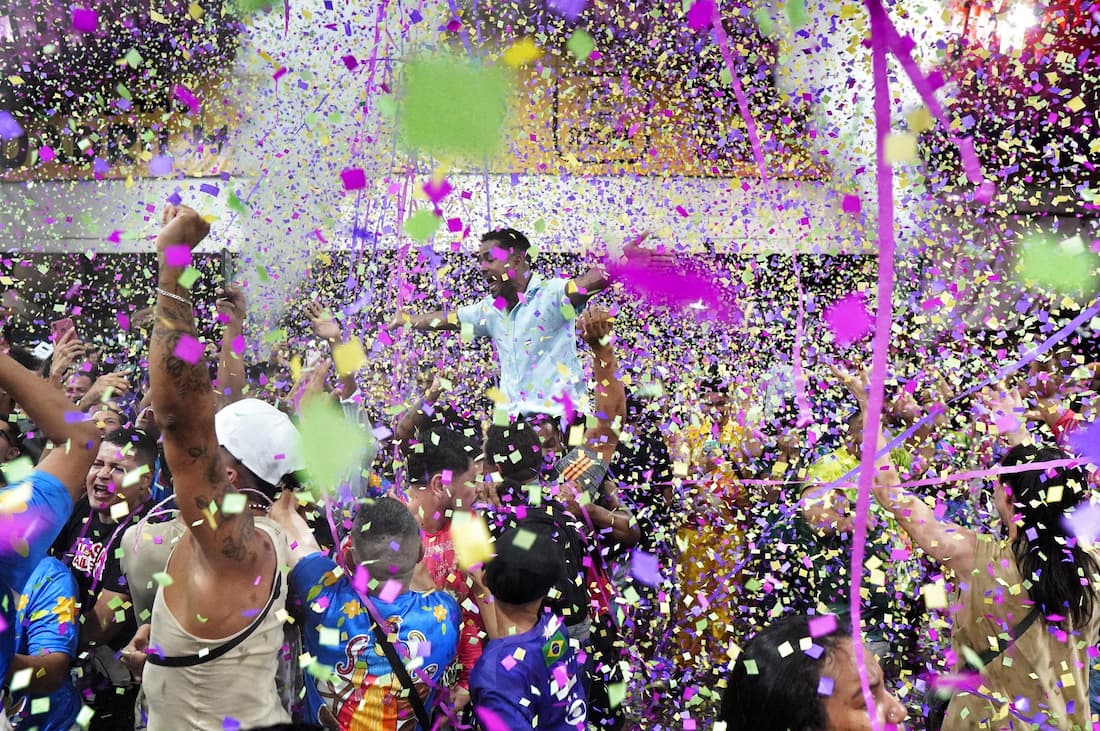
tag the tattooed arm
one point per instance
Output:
(183, 401)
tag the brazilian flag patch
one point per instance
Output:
(554, 649)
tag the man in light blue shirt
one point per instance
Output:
(530, 321)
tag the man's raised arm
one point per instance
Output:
(55, 417)
(610, 392)
(183, 401)
(438, 320)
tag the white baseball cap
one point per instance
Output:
(260, 437)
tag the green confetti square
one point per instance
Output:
(581, 45)
(451, 105)
(133, 58)
(187, 277)
(422, 225)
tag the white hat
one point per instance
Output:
(260, 437)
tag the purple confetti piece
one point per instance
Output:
(1085, 441)
(84, 20)
(160, 165)
(568, 9)
(825, 685)
(354, 179)
(209, 189)
(9, 128)
(644, 567)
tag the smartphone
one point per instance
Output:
(225, 259)
(60, 328)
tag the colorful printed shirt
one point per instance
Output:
(34, 511)
(352, 681)
(530, 681)
(46, 617)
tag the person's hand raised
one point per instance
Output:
(323, 323)
(67, 351)
(595, 326)
(231, 304)
(183, 226)
(657, 258)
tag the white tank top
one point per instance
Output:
(239, 685)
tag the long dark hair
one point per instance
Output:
(772, 688)
(1057, 572)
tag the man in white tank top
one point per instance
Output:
(226, 580)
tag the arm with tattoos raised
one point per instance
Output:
(183, 401)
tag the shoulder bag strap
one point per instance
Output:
(402, 673)
(185, 661)
(1017, 632)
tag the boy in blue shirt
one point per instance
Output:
(34, 508)
(528, 675)
(48, 635)
(354, 685)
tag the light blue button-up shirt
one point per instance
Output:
(536, 347)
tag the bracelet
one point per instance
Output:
(175, 297)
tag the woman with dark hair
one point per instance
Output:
(800, 674)
(1027, 676)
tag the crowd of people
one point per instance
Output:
(568, 558)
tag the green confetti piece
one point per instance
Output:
(1066, 266)
(540, 226)
(421, 225)
(84, 717)
(615, 693)
(233, 503)
(763, 21)
(235, 203)
(451, 105)
(581, 45)
(796, 13)
(725, 77)
(133, 58)
(332, 445)
(162, 578)
(261, 272)
(17, 469)
(523, 539)
(187, 277)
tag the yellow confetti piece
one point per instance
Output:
(349, 357)
(920, 120)
(1076, 104)
(900, 147)
(521, 53)
(935, 596)
(120, 510)
(471, 539)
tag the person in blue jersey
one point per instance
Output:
(528, 675)
(355, 685)
(46, 646)
(34, 508)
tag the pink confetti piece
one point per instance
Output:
(185, 95)
(851, 204)
(701, 14)
(437, 190)
(823, 625)
(178, 256)
(46, 154)
(848, 318)
(390, 590)
(84, 20)
(188, 349)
